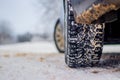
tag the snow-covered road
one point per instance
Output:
(50, 67)
(29, 47)
(41, 61)
(45, 47)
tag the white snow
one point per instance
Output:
(29, 47)
(49, 67)
(46, 47)
(41, 61)
(111, 48)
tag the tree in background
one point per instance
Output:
(5, 32)
(25, 37)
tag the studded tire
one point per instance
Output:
(83, 43)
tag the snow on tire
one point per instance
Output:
(83, 43)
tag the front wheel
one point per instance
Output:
(58, 37)
(83, 42)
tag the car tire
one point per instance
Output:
(58, 37)
(83, 43)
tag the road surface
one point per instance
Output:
(41, 61)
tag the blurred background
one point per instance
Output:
(28, 20)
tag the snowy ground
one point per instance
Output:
(41, 61)
(45, 47)
(29, 47)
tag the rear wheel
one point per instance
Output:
(58, 37)
(83, 42)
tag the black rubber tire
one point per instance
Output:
(83, 43)
(58, 25)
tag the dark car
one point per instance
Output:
(87, 25)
